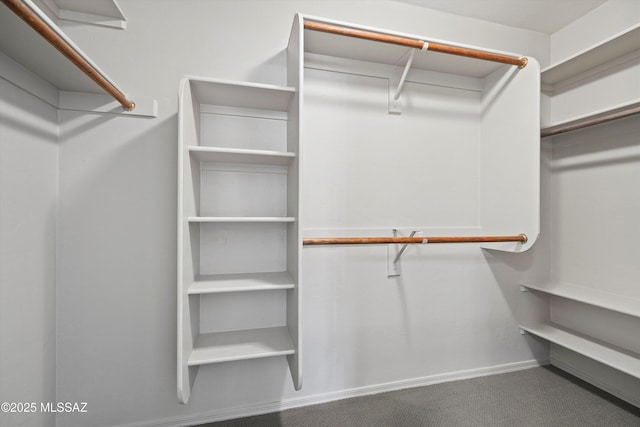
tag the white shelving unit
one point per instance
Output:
(238, 225)
(543, 326)
(584, 319)
(239, 231)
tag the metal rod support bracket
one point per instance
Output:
(393, 266)
(394, 103)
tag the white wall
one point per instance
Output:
(28, 193)
(453, 310)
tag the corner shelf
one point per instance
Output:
(619, 359)
(241, 345)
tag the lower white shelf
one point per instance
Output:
(624, 361)
(219, 283)
(241, 345)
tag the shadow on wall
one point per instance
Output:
(510, 270)
(274, 68)
(116, 266)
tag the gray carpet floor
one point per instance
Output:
(536, 397)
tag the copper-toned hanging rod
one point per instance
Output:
(417, 44)
(522, 238)
(42, 28)
(592, 121)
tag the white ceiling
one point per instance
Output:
(546, 16)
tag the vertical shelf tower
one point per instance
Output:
(238, 230)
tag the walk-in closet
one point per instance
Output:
(357, 212)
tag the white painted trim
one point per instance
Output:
(403, 231)
(101, 103)
(370, 69)
(243, 112)
(608, 387)
(269, 407)
(20, 76)
(407, 35)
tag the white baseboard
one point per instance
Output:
(297, 402)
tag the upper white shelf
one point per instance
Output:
(588, 295)
(617, 46)
(241, 95)
(322, 43)
(235, 155)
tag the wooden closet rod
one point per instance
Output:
(522, 238)
(36, 22)
(581, 124)
(417, 44)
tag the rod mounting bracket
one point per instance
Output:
(394, 254)
(396, 83)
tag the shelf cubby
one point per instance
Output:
(237, 219)
(242, 156)
(241, 345)
(244, 282)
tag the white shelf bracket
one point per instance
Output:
(524, 289)
(393, 265)
(394, 103)
(523, 332)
